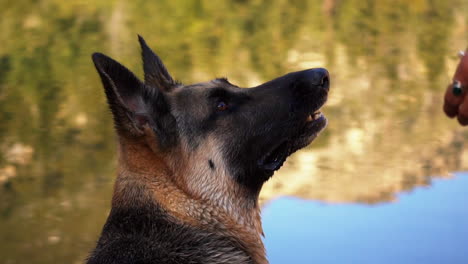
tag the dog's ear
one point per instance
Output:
(134, 105)
(156, 74)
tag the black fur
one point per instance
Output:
(146, 234)
(211, 164)
(135, 104)
(156, 74)
(260, 121)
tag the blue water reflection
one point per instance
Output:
(427, 225)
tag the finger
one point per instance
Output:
(452, 102)
(461, 73)
(463, 113)
(463, 120)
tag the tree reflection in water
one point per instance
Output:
(390, 61)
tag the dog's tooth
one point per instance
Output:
(316, 115)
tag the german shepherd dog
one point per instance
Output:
(193, 158)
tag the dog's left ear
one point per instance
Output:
(135, 105)
(156, 74)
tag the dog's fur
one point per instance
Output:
(193, 158)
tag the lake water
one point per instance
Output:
(375, 187)
(426, 225)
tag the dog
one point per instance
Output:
(193, 159)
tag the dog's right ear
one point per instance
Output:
(127, 96)
(156, 74)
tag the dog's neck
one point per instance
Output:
(188, 191)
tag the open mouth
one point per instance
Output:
(274, 159)
(303, 124)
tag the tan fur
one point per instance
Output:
(185, 186)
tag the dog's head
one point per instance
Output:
(215, 126)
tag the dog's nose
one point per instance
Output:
(317, 77)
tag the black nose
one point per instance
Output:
(317, 77)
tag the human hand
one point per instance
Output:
(456, 102)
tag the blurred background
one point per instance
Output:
(378, 185)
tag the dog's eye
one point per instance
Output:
(222, 106)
